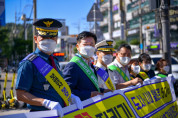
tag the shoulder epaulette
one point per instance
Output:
(32, 57)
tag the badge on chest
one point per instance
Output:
(46, 86)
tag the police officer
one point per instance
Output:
(119, 67)
(39, 72)
(80, 72)
(104, 53)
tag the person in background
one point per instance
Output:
(39, 80)
(145, 64)
(163, 68)
(134, 68)
(119, 68)
(104, 53)
(80, 72)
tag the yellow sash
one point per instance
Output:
(60, 85)
(143, 75)
(53, 77)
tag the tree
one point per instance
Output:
(119, 42)
(13, 46)
(75, 49)
(4, 42)
(135, 42)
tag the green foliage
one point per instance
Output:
(75, 50)
(135, 42)
(4, 42)
(22, 46)
(119, 42)
(12, 44)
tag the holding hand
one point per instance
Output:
(95, 93)
(53, 106)
(76, 100)
(107, 90)
(136, 81)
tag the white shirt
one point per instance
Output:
(100, 80)
(115, 75)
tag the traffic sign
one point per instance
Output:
(94, 14)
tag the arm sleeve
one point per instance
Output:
(72, 77)
(24, 76)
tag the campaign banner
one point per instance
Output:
(153, 99)
(147, 99)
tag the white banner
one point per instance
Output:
(155, 98)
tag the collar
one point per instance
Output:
(162, 73)
(42, 54)
(98, 64)
(120, 65)
(88, 62)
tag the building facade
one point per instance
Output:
(135, 14)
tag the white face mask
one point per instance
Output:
(47, 45)
(124, 60)
(107, 59)
(87, 51)
(166, 69)
(146, 67)
(136, 69)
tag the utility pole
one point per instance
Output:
(141, 36)
(25, 27)
(34, 19)
(23, 17)
(95, 22)
(123, 20)
(15, 25)
(164, 10)
(110, 24)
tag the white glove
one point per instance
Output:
(53, 106)
(76, 100)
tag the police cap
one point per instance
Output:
(47, 27)
(106, 45)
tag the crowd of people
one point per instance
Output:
(92, 71)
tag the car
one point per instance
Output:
(156, 57)
(62, 65)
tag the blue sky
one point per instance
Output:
(73, 11)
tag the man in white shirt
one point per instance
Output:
(119, 67)
(105, 56)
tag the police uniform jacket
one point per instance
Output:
(32, 81)
(100, 80)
